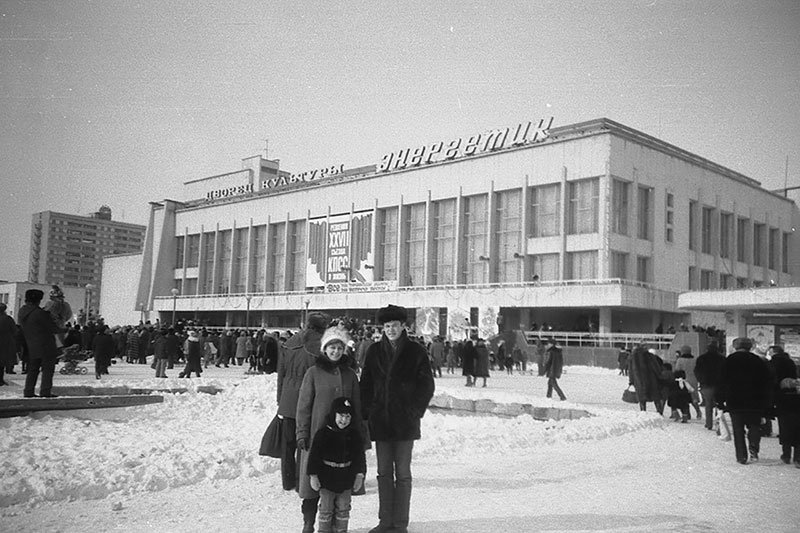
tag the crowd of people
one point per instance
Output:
(344, 384)
(749, 389)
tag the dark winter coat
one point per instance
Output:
(437, 353)
(783, 367)
(554, 362)
(708, 368)
(8, 341)
(644, 373)
(298, 355)
(746, 383)
(323, 382)
(103, 348)
(469, 356)
(338, 446)
(482, 362)
(396, 387)
(39, 330)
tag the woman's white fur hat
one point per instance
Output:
(334, 334)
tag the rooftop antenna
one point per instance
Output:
(786, 178)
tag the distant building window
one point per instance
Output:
(476, 231)
(774, 248)
(692, 223)
(643, 269)
(546, 210)
(785, 253)
(508, 233)
(581, 265)
(444, 242)
(179, 251)
(725, 232)
(742, 225)
(707, 230)
(706, 279)
(545, 266)
(619, 265)
(758, 244)
(619, 206)
(193, 250)
(692, 278)
(583, 206)
(645, 213)
(387, 247)
(414, 244)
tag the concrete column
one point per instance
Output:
(604, 319)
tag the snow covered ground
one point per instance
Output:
(190, 464)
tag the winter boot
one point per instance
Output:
(340, 525)
(402, 505)
(386, 494)
(309, 509)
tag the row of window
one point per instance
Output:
(708, 279)
(754, 242)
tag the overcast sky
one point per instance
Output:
(120, 102)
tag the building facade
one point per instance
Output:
(68, 250)
(592, 226)
(12, 293)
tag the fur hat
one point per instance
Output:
(342, 405)
(317, 321)
(333, 334)
(56, 292)
(391, 313)
(788, 383)
(742, 343)
(34, 295)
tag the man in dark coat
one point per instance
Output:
(744, 391)
(396, 387)
(553, 366)
(8, 343)
(707, 371)
(39, 329)
(298, 355)
(644, 373)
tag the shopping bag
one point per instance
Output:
(725, 432)
(272, 441)
(629, 395)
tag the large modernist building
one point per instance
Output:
(586, 226)
(68, 249)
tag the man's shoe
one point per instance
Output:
(742, 461)
(48, 396)
(30, 396)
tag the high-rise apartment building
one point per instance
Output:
(68, 249)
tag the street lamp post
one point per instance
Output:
(247, 313)
(141, 312)
(175, 292)
(87, 301)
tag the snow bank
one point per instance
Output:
(193, 437)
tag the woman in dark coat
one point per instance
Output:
(469, 357)
(644, 371)
(103, 351)
(8, 343)
(787, 404)
(482, 362)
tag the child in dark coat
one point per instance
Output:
(337, 466)
(680, 395)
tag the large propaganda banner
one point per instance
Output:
(340, 250)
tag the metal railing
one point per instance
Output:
(602, 340)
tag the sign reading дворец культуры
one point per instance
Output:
(525, 133)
